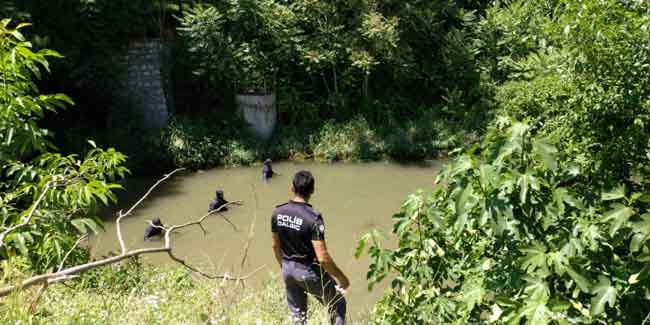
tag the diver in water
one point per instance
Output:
(218, 202)
(267, 170)
(155, 228)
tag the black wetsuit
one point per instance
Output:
(152, 231)
(267, 172)
(216, 203)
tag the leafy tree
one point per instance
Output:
(47, 199)
(515, 233)
(580, 71)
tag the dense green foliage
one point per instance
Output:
(545, 221)
(340, 62)
(337, 53)
(514, 234)
(580, 72)
(201, 143)
(30, 167)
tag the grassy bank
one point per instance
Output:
(221, 139)
(137, 294)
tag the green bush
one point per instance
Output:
(580, 72)
(47, 199)
(516, 232)
(207, 141)
(353, 140)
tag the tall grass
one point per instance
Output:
(153, 295)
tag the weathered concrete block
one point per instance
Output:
(260, 112)
(143, 87)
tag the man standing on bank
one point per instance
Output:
(299, 246)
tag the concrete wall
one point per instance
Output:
(260, 112)
(143, 85)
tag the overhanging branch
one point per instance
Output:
(71, 272)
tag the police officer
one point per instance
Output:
(299, 247)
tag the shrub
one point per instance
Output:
(353, 140)
(516, 232)
(208, 141)
(47, 199)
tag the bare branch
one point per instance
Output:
(28, 217)
(128, 212)
(118, 229)
(121, 215)
(209, 276)
(62, 275)
(71, 249)
(215, 211)
(71, 272)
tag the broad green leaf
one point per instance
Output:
(558, 260)
(605, 294)
(645, 198)
(644, 272)
(464, 203)
(581, 281)
(617, 217)
(523, 185)
(360, 246)
(536, 288)
(614, 194)
(462, 164)
(374, 235)
(546, 153)
(633, 279)
(536, 312)
(636, 242)
(19, 240)
(488, 176)
(534, 258)
(472, 293)
(86, 225)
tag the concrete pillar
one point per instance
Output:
(144, 88)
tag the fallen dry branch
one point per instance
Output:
(71, 272)
(135, 205)
(70, 251)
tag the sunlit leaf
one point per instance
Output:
(617, 217)
(614, 194)
(605, 294)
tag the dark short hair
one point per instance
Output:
(303, 183)
(156, 221)
(219, 193)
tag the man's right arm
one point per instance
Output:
(327, 262)
(276, 248)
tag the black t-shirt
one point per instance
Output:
(297, 224)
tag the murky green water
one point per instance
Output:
(353, 199)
